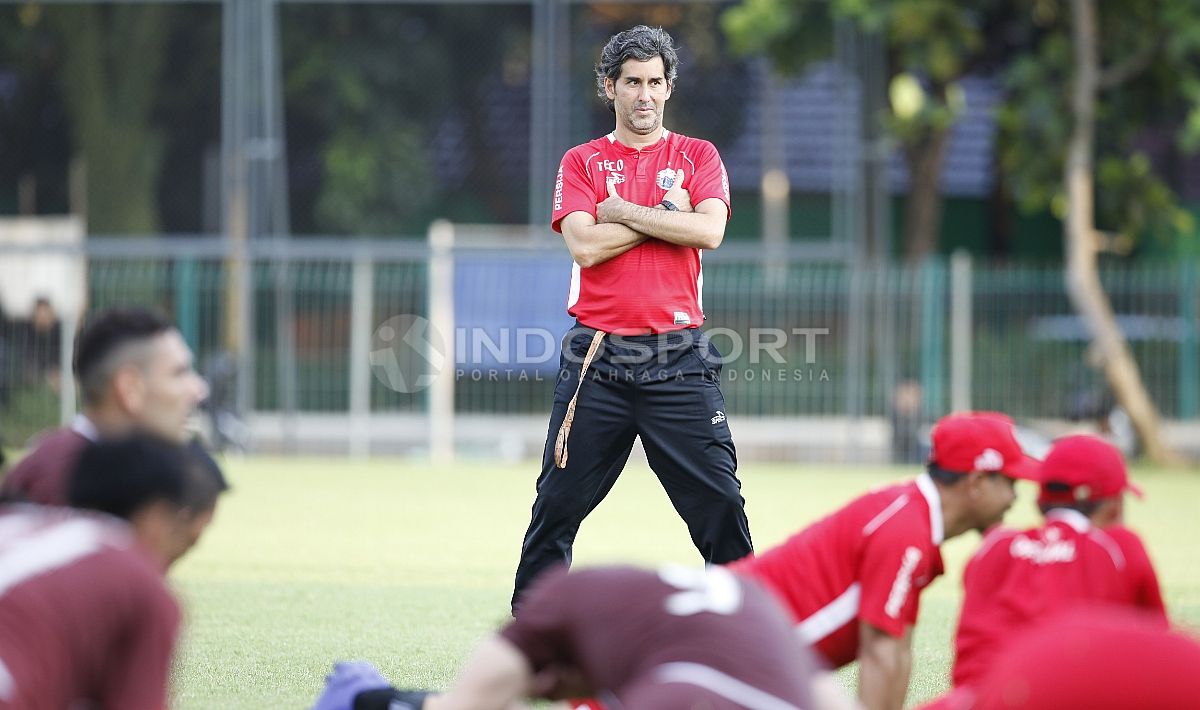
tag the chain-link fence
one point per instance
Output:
(802, 340)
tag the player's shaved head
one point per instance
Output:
(641, 43)
(114, 338)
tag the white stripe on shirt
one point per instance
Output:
(884, 515)
(8, 686)
(47, 551)
(722, 684)
(832, 616)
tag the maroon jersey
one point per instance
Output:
(654, 639)
(41, 477)
(656, 286)
(867, 562)
(85, 616)
(1018, 577)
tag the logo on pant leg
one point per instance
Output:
(718, 418)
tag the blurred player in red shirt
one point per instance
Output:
(1098, 658)
(679, 638)
(134, 371)
(86, 619)
(1081, 554)
(852, 580)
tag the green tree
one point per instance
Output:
(112, 59)
(370, 86)
(1094, 79)
(931, 45)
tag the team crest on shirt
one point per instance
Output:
(666, 178)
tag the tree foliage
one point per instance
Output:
(931, 45)
(1149, 89)
(372, 89)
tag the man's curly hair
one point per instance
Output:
(641, 43)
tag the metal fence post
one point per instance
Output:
(1189, 351)
(285, 353)
(856, 356)
(66, 398)
(932, 335)
(362, 309)
(441, 318)
(187, 301)
(960, 331)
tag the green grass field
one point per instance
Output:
(311, 560)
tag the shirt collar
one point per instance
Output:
(84, 427)
(612, 140)
(937, 524)
(1074, 518)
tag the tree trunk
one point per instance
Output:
(923, 217)
(1082, 275)
(112, 59)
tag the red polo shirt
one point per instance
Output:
(1019, 577)
(656, 286)
(867, 562)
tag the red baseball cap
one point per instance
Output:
(980, 441)
(1084, 468)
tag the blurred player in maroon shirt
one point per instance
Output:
(1082, 554)
(134, 371)
(853, 580)
(86, 619)
(641, 640)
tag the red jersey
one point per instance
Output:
(656, 286)
(656, 640)
(1094, 658)
(1017, 577)
(85, 616)
(867, 562)
(41, 477)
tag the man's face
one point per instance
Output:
(170, 388)
(169, 532)
(186, 531)
(994, 495)
(639, 94)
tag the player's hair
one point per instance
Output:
(108, 341)
(641, 43)
(1086, 507)
(209, 481)
(122, 476)
(943, 477)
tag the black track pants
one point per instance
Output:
(664, 388)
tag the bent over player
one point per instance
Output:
(853, 580)
(1082, 555)
(636, 207)
(86, 619)
(679, 638)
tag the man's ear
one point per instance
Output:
(974, 482)
(129, 388)
(1109, 512)
(610, 88)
